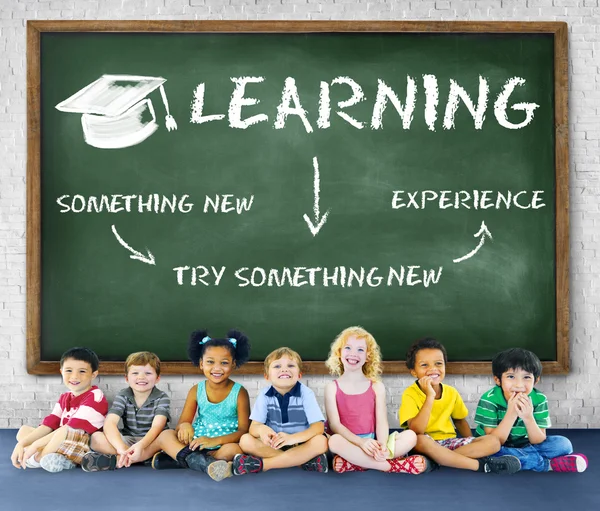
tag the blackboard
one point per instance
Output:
(407, 177)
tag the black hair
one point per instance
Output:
(516, 358)
(83, 354)
(199, 341)
(426, 343)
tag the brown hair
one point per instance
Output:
(281, 352)
(142, 358)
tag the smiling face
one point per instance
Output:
(77, 375)
(429, 362)
(516, 381)
(284, 373)
(217, 364)
(142, 378)
(354, 354)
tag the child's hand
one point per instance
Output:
(427, 386)
(381, 453)
(511, 405)
(524, 406)
(370, 446)
(17, 456)
(200, 443)
(134, 454)
(266, 435)
(122, 458)
(185, 433)
(29, 451)
(282, 439)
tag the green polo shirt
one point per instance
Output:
(492, 409)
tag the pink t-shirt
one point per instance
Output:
(357, 411)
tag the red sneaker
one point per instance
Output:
(569, 463)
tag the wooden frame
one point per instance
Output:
(561, 131)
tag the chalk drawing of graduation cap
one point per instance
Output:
(116, 112)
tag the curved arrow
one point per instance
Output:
(316, 227)
(483, 232)
(136, 255)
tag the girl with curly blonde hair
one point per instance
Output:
(357, 414)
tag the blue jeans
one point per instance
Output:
(537, 457)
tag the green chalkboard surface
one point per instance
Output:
(407, 178)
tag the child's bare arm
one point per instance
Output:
(524, 407)
(463, 428)
(36, 434)
(381, 418)
(502, 431)
(184, 429)
(112, 433)
(420, 421)
(316, 428)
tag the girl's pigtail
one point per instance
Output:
(196, 347)
(242, 347)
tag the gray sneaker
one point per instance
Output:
(56, 463)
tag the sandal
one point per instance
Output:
(346, 466)
(407, 465)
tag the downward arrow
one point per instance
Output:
(483, 232)
(149, 259)
(318, 223)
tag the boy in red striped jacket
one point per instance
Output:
(63, 438)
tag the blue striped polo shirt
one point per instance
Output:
(290, 413)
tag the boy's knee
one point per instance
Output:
(422, 442)
(494, 443)
(560, 444)
(320, 443)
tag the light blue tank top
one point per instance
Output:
(216, 419)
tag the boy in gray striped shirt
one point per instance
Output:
(144, 410)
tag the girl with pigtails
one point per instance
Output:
(209, 442)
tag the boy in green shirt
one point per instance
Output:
(517, 414)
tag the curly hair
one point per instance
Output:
(236, 342)
(371, 369)
(426, 343)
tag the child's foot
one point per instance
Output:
(317, 464)
(162, 461)
(341, 465)
(32, 463)
(96, 461)
(56, 463)
(219, 470)
(415, 464)
(500, 464)
(569, 463)
(246, 464)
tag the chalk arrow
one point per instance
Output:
(149, 259)
(483, 232)
(319, 222)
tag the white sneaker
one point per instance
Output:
(32, 463)
(56, 463)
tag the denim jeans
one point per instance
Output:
(537, 457)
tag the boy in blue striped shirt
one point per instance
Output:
(287, 424)
(517, 413)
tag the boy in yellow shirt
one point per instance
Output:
(435, 412)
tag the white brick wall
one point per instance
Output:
(574, 399)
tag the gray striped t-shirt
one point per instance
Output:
(137, 421)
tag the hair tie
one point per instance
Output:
(205, 340)
(233, 341)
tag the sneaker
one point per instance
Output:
(56, 463)
(96, 462)
(162, 461)
(502, 465)
(317, 464)
(569, 463)
(219, 470)
(32, 463)
(246, 464)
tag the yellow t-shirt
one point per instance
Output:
(449, 406)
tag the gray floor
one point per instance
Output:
(141, 488)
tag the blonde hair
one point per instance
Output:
(142, 358)
(283, 352)
(371, 369)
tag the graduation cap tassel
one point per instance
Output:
(170, 123)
